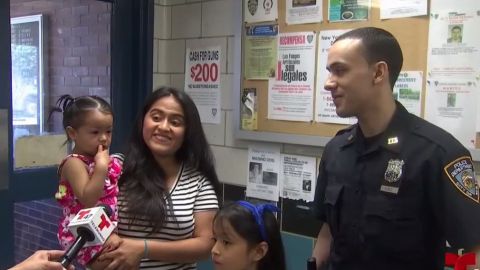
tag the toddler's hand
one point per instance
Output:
(102, 158)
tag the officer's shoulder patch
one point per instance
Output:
(462, 174)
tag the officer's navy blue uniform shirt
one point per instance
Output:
(392, 201)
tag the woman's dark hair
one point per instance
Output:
(75, 109)
(142, 181)
(244, 223)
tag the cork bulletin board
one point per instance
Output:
(412, 34)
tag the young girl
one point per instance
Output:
(247, 238)
(89, 175)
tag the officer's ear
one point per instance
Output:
(380, 72)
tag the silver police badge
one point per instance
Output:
(394, 170)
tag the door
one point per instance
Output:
(76, 47)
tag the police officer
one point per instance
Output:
(393, 188)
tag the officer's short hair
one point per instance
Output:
(379, 45)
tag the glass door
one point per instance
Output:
(55, 48)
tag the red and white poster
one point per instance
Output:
(202, 81)
(290, 94)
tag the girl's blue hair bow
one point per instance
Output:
(257, 212)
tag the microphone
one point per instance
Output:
(91, 227)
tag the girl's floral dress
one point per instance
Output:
(71, 205)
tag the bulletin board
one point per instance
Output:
(412, 34)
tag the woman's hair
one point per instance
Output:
(243, 221)
(75, 109)
(142, 181)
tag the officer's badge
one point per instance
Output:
(394, 170)
(392, 175)
(462, 175)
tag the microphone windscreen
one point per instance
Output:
(106, 208)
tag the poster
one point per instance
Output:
(249, 109)
(260, 10)
(348, 10)
(402, 8)
(202, 81)
(261, 43)
(290, 94)
(298, 177)
(303, 11)
(453, 45)
(263, 169)
(324, 107)
(452, 105)
(408, 91)
(453, 69)
(27, 34)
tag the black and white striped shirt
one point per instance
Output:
(191, 193)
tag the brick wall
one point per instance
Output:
(36, 224)
(78, 48)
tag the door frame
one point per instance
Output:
(131, 39)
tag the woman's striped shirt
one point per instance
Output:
(191, 193)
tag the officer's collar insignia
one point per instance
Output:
(392, 140)
(394, 170)
(350, 137)
(462, 174)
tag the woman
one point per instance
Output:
(168, 190)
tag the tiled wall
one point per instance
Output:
(181, 23)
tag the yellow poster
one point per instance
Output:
(260, 51)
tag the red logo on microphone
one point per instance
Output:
(460, 262)
(104, 223)
(83, 214)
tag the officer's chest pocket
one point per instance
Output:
(393, 226)
(333, 194)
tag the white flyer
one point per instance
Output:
(452, 105)
(263, 172)
(324, 107)
(260, 10)
(202, 81)
(408, 91)
(402, 8)
(303, 11)
(298, 177)
(454, 43)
